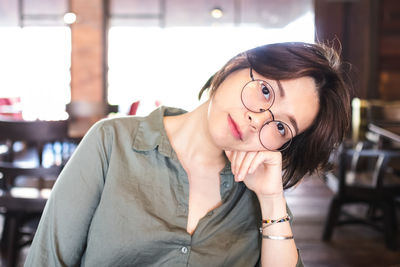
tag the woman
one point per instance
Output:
(204, 187)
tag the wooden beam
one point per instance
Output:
(89, 52)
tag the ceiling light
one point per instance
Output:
(217, 13)
(69, 18)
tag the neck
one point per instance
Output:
(190, 137)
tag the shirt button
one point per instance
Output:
(182, 208)
(184, 250)
(225, 184)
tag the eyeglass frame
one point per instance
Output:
(267, 109)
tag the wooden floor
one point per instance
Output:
(350, 245)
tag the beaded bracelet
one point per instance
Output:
(283, 219)
(268, 223)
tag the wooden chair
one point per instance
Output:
(364, 177)
(376, 111)
(25, 178)
(83, 114)
(133, 108)
(82, 109)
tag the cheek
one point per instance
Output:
(221, 136)
(227, 96)
(218, 127)
(215, 121)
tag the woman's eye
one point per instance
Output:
(281, 128)
(266, 92)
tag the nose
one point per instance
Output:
(258, 119)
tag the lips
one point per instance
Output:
(234, 128)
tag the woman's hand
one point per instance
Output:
(260, 171)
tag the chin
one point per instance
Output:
(221, 142)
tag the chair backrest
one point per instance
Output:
(33, 131)
(366, 111)
(83, 109)
(25, 182)
(362, 158)
(37, 133)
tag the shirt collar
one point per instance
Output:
(151, 132)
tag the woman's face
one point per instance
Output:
(233, 127)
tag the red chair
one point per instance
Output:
(133, 108)
(11, 107)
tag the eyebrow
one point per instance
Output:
(281, 91)
(291, 118)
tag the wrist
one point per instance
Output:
(272, 206)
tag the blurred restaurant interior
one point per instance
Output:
(65, 64)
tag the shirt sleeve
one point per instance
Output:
(61, 236)
(299, 261)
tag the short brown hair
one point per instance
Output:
(310, 150)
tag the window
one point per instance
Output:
(35, 67)
(168, 63)
(35, 52)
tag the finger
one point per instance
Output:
(228, 154)
(233, 161)
(266, 157)
(245, 165)
(240, 155)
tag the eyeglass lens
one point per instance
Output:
(258, 96)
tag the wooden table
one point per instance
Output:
(76, 129)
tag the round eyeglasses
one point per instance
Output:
(258, 96)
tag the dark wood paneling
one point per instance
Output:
(389, 85)
(329, 20)
(354, 24)
(390, 14)
(390, 45)
(389, 50)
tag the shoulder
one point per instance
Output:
(141, 133)
(120, 126)
(127, 123)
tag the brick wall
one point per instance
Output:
(87, 51)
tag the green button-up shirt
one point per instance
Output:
(122, 200)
